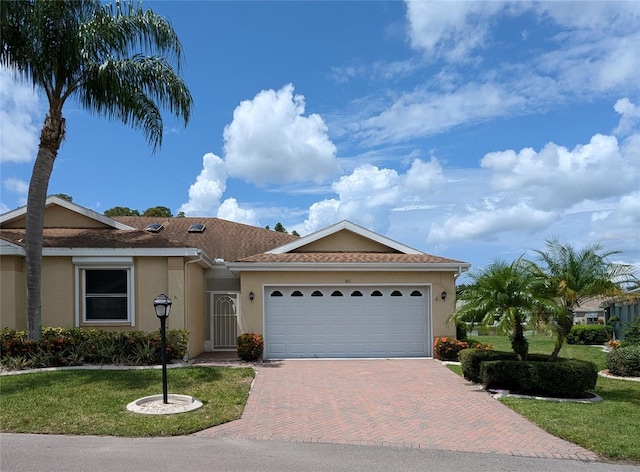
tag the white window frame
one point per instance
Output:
(82, 264)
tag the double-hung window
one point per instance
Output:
(104, 288)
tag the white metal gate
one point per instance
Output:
(224, 320)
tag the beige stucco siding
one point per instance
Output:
(195, 311)
(344, 241)
(439, 282)
(59, 217)
(57, 292)
(13, 293)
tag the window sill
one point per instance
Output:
(104, 324)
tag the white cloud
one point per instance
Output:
(14, 185)
(489, 220)
(271, 141)
(557, 178)
(231, 211)
(369, 194)
(19, 112)
(450, 29)
(427, 112)
(630, 116)
(206, 191)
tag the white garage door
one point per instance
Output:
(339, 321)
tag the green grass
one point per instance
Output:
(94, 401)
(610, 428)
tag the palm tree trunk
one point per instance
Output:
(50, 140)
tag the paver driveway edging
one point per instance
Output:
(416, 403)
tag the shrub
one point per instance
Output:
(77, 346)
(471, 359)
(589, 334)
(569, 378)
(624, 361)
(250, 346)
(632, 333)
(447, 349)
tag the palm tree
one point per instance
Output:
(93, 54)
(577, 276)
(506, 294)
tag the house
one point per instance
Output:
(625, 308)
(589, 312)
(343, 291)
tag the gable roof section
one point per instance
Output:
(17, 218)
(384, 254)
(297, 246)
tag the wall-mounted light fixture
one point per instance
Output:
(443, 295)
(251, 296)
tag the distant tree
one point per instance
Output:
(64, 196)
(180, 214)
(279, 228)
(295, 233)
(121, 211)
(267, 227)
(94, 54)
(575, 276)
(158, 212)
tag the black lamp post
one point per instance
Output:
(162, 305)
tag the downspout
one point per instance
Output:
(186, 297)
(455, 276)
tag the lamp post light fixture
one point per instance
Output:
(162, 306)
(443, 295)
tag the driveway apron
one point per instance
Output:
(415, 403)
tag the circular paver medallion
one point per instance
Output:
(154, 404)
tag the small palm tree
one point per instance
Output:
(505, 294)
(574, 277)
(91, 53)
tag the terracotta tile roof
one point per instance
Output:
(350, 257)
(221, 238)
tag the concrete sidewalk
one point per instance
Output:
(414, 403)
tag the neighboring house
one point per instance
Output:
(626, 308)
(589, 312)
(343, 291)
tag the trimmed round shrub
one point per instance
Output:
(250, 346)
(589, 334)
(447, 349)
(632, 333)
(624, 361)
(568, 378)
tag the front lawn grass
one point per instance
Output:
(610, 428)
(93, 402)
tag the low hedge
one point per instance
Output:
(78, 346)
(569, 378)
(589, 334)
(624, 361)
(471, 359)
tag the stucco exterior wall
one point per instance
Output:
(13, 293)
(57, 292)
(252, 312)
(344, 241)
(59, 217)
(195, 310)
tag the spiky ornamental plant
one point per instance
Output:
(507, 295)
(575, 276)
(94, 54)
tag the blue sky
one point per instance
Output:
(468, 130)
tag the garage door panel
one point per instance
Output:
(347, 326)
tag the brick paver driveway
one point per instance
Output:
(400, 402)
